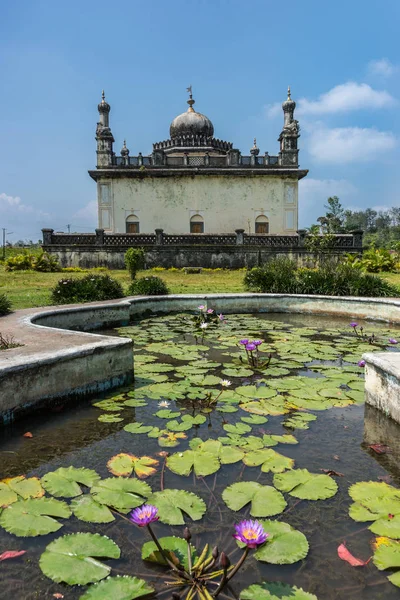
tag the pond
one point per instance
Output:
(277, 432)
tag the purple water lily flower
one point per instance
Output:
(144, 515)
(353, 324)
(210, 311)
(250, 533)
(244, 342)
(361, 363)
(393, 341)
(221, 317)
(257, 342)
(201, 307)
(251, 346)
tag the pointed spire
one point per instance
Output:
(255, 150)
(190, 101)
(103, 107)
(124, 150)
(103, 96)
(288, 93)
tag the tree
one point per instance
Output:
(333, 220)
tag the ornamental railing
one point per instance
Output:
(100, 238)
(192, 160)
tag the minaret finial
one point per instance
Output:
(103, 96)
(288, 93)
(190, 101)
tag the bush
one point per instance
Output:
(5, 305)
(45, 263)
(86, 289)
(26, 261)
(134, 261)
(148, 286)
(331, 279)
(374, 260)
(73, 270)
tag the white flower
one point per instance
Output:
(204, 325)
(164, 404)
(225, 382)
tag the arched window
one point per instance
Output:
(132, 224)
(262, 224)
(197, 224)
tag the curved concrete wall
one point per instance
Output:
(57, 359)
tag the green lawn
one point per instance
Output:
(29, 289)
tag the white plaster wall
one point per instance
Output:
(226, 203)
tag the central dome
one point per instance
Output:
(191, 123)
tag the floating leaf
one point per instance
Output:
(118, 588)
(273, 440)
(7, 495)
(274, 406)
(269, 460)
(187, 423)
(252, 391)
(34, 516)
(239, 428)
(137, 428)
(302, 484)
(254, 420)
(167, 414)
(168, 439)
(120, 493)
(110, 419)
(387, 556)
(64, 481)
(175, 548)
(275, 591)
(203, 463)
(124, 464)
(299, 420)
(284, 546)
(377, 502)
(265, 500)
(172, 504)
(87, 509)
(73, 558)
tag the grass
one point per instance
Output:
(27, 289)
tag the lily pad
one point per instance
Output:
(73, 558)
(173, 504)
(120, 493)
(87, 509)
(265, 500)
(63, 483)
(34, 516)
(284, 546)
(269, 460)
(169, 439)
(175, 548)
(187, 422)
(118, 588)
(124, 464)
(254, 420)
(302, 484)
(137, 428)
(25, 488)
(275, 591)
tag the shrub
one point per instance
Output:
(330, 279)
(134, 260)
(378, 260)
(148, 286)
(20, 262)
(86, 289)
(5, 305)
(46, 263)
(73, 270)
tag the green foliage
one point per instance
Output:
(285, 545)
(265, 500)
(63, 483)
(134, 261)
(332, 222)
(175, 548)
(5, 305)
(172, 504)
(148, 286)
(27, 261)
(34, 516)
(333, 279)
(73, 559)
(90, 288)
(302, 484)
(275, 591)
(319, 244)
(118, 588)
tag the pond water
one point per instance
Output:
(295, 403)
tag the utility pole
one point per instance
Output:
(69, 228)
(5, 232)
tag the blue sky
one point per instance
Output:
(340, 58)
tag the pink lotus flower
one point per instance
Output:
(144, 515)
(361, 363)
(250, 533)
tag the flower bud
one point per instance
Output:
(186, 534)
(224, 561)
(215, 552)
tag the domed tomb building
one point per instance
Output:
(196, 183)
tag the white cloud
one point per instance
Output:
(12, 205)
(313, 194)
(24, 220)
(342, 98)
(382, 67)
(349, 144)
(87, 216)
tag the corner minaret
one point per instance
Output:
(290, 133)
(104, 137)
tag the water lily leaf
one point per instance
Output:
(377, 502)
(34, 516)
(26, 488)
(167, 414)
(239, 428)
(137, 428)
(274, 406)
(124, 464)
(269, 460)
(135, 403)
(203, 463)
(387, 556)
(64, 482)
(300, 483)
(207, 380)
(175, 548)
(227, 408)
(284, 546)
(118, 588)
(73, 558)
(87, 509)
(7, 495)
(252, 391)
(275, 591)
(168, 439)
(172, 504)
(273, 440)
(238, 372)
(110, 419)
(120, 493)
(187, 422)
(265, 500)
(251, 442)
(387, 526)
(254, 420)
(299, 420)
(109, 405)
(230, 454)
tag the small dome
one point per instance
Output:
(191, 123)
(103, 107)
(124, 150)
(289, 104)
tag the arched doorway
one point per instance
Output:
(132, 224)
(197, 224)
(262, 224)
